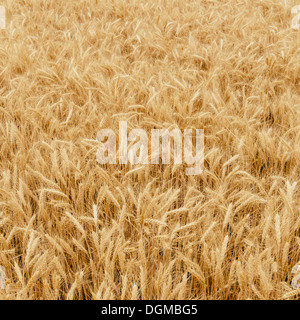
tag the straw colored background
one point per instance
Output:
(72, 229)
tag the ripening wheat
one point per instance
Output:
(71, 228)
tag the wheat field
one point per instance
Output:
(71, 228)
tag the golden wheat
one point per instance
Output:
(71, 228)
